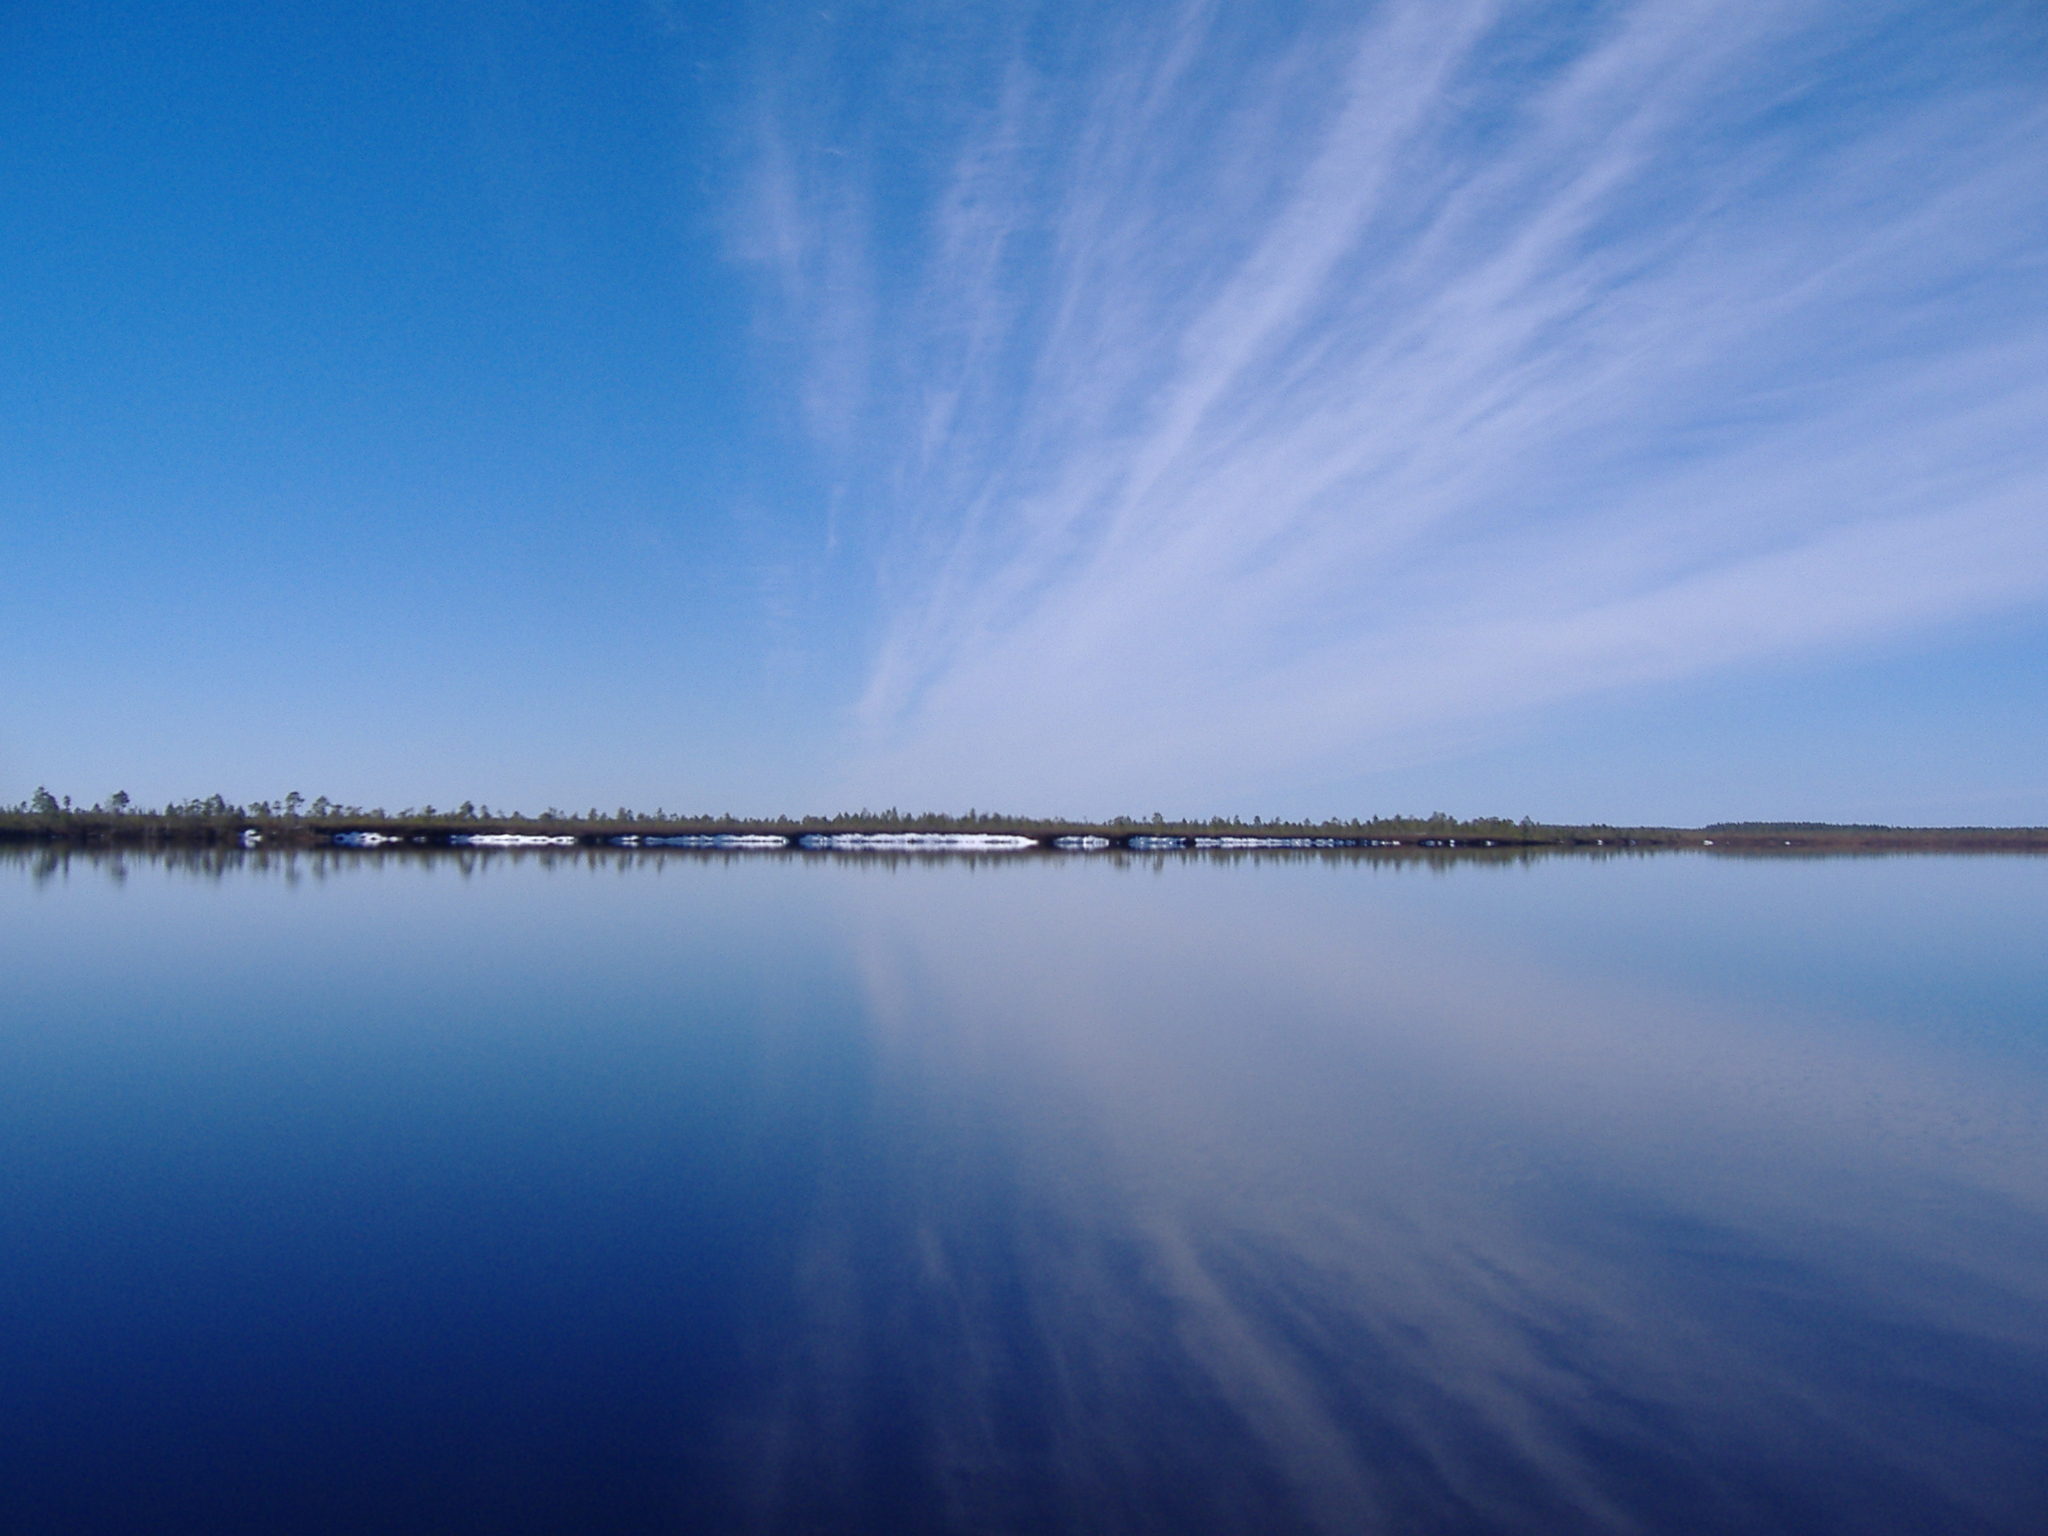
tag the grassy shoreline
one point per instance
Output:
(215, 824)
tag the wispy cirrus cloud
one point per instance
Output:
(1226, 402)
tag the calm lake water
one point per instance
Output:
(636, 1193)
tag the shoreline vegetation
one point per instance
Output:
(295, 822)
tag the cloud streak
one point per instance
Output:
(1226, 403)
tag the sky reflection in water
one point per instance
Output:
(1103, 1194)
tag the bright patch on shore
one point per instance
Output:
(923, 842)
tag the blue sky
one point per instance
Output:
(1635, 411)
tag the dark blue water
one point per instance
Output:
(815, 1193)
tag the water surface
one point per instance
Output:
(634, 1192)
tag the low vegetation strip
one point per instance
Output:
(294, 821)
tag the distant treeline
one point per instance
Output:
(294, 819)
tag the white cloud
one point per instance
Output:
(1233, 409)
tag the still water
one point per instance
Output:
(1247, 1193)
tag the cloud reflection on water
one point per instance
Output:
(794, 1192)
(1236, 1200)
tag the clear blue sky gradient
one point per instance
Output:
(1621, 411)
